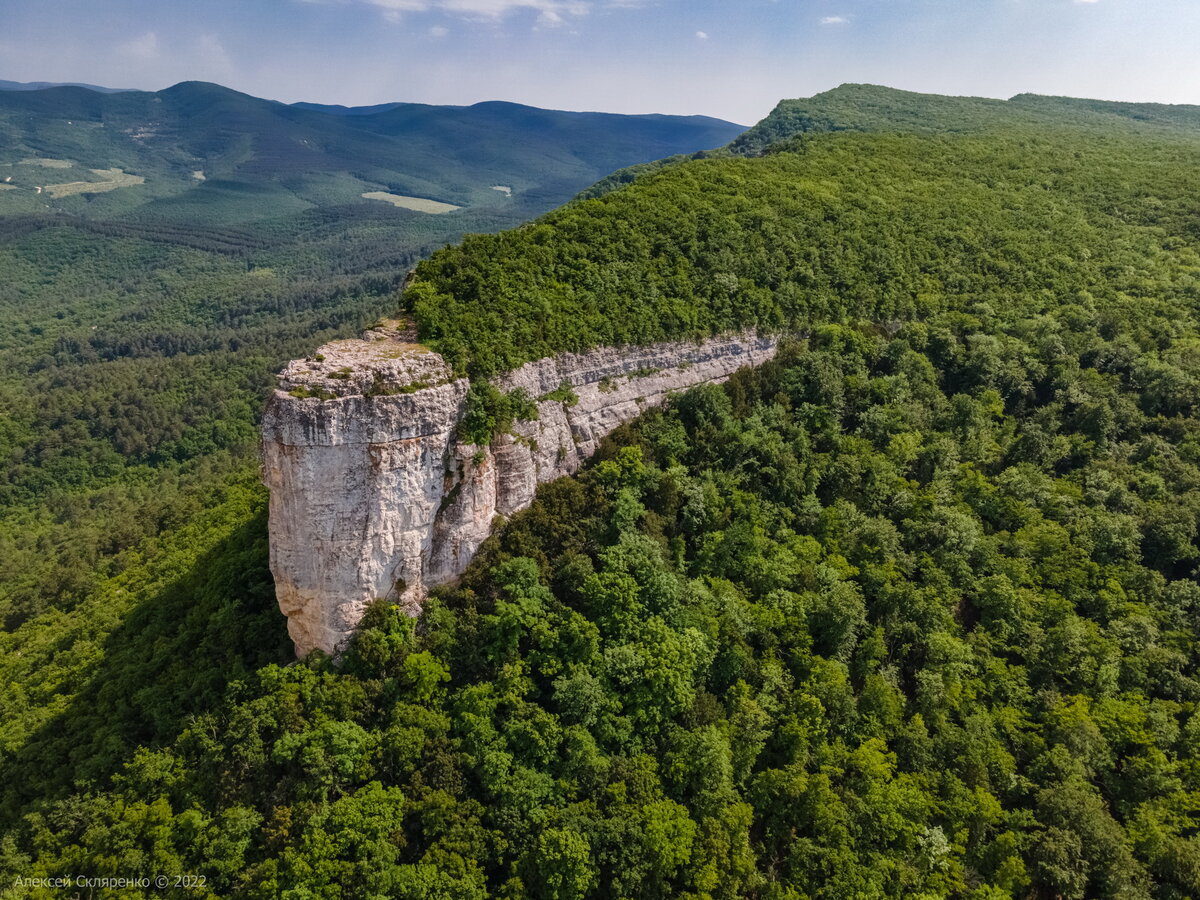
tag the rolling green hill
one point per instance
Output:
(872, 108)
(262, 159)
(909, 612)
(868, 107)
(755, 237)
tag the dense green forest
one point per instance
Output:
(910, 611)
(886, 225)
(900, 614)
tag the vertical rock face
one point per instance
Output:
(372, 496)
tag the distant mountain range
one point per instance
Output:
(202, 152)
(42, 85)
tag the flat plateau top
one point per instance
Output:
(386, 359)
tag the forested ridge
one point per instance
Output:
(824, 223)
(909, 611)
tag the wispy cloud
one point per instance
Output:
(549, 12)
(834, 20)
(143, 47)
(702, 35)
(210, 49)
(439, 31)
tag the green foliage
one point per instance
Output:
(143, 328)
(134, 374)
(490, 411)
(869, 107)
(563, 394)
(143, 651)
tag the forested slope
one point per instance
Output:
(887, 226)
(896, 615)
(910, 611)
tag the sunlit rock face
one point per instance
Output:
(373, 496)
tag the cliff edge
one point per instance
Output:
(373, 495)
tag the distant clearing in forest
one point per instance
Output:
(420, 204)
(115, 178)
(47, 163)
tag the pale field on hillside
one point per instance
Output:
(420, 204)
(47, 163)
(114, 178)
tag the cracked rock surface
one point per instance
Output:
(372, 495)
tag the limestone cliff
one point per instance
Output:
(373, 496)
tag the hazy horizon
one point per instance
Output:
(624, 56)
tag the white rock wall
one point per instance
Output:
(372, 496)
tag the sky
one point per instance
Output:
(733, 59)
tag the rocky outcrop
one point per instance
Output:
(373, 496)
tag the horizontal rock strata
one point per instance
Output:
(372, 495)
